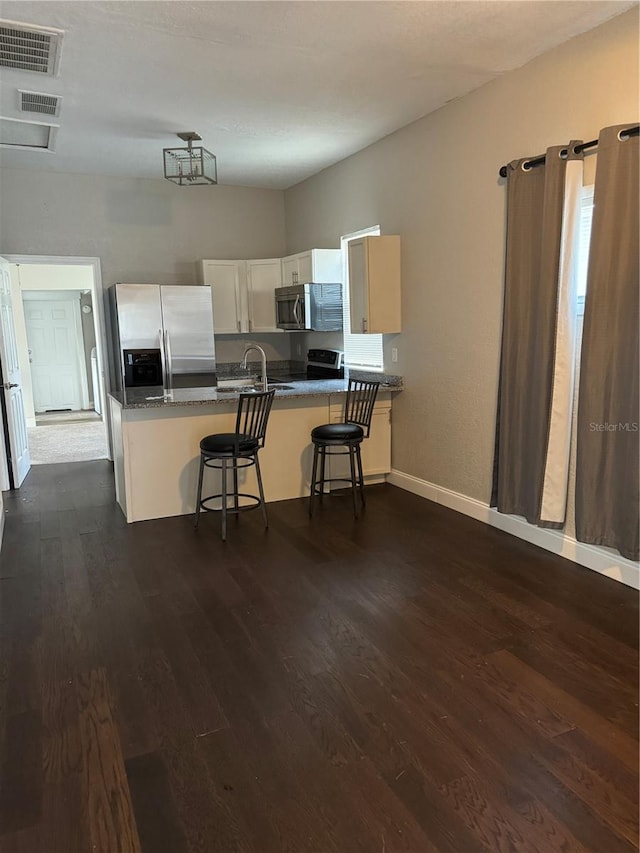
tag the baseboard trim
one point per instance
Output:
(605, 561)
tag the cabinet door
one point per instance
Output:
(358, 286)
(327, 266)
(262, 279)
(226, 279)
(290, 270)
(376, 450)
(374, 284)
(383, 284)
(306, 271)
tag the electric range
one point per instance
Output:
(321, 364)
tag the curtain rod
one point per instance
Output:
(538, 161)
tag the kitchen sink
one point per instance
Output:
(228, 386)
(235, 383)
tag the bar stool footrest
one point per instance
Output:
(230, 509)
(328, 480)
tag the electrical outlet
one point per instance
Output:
(394, 354)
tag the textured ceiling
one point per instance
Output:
(278, 90)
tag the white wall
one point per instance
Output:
(142, 230)
(145, 231)
(436, 184)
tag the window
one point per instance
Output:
(584, 240)
(360, 351)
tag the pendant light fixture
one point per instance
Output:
(190, 167)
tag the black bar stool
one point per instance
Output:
(356, 426)
(236, 450)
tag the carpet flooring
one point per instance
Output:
(67, 442)
(48, 418)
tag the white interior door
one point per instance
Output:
(55, 353)
(12, 386)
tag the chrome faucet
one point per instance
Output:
(263, 360)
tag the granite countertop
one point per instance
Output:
(151, 398)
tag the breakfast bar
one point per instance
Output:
(156, 439)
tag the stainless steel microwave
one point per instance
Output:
(313, 307)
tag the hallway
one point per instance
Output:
(415, 681)
(79, 440)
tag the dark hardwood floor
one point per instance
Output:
(413, 681)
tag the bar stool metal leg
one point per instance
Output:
(360, 475)
(323, 461)
(314, 473)
(352, 466)
(235, 488)
(261, 491)
(199, 492)
(224, 499)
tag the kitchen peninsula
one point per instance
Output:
(156, 440)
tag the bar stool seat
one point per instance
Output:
(228, 443)
(337, 432)
(356, 426)
(233, 451)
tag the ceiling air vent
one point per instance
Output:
(27, 47)
(22, 135)
(38, 102)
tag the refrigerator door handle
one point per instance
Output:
(167, 344)
(163, 357)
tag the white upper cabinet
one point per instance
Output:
(228, 286)
(290, 270)
(243, 294)
(321, 266)
(243, 291)
(374, 285)
(263, 276)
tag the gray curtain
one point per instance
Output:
(535, 200)
(607, 442)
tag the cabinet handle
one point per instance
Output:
(239, 329)
(250, 325)
(364, 325)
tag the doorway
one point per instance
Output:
(60, 334)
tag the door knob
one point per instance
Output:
(9, 385)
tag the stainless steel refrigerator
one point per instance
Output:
(168, 327)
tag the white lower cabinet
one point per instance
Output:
(375, 450)
(243, 294)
